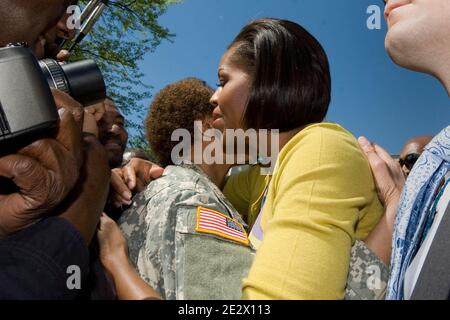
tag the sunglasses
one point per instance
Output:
(409, 160)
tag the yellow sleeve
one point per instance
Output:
(309, 219)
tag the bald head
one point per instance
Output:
(414, 146)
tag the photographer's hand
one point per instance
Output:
(97, 110)
(90, 124)
(92, 115)
(43, 172)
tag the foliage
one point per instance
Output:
(126, 32)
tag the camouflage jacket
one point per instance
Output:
(172, 253)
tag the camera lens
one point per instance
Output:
(82, 80)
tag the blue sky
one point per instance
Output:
(371, 95)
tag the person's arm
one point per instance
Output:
(389, 180)
(85, 203)
(128, 283)
(380, 238)
(114, 257)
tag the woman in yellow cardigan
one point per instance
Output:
(321, 197)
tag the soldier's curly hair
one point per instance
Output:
(177, 106)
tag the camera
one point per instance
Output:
(27, 107)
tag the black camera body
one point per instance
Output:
(27, 107)
(26, 102)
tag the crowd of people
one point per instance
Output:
(338, 218)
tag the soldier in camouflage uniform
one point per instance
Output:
(178, 261)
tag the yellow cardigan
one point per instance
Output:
(320, 199)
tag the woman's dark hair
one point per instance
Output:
(291, 76)
(177, 106)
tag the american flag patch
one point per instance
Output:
(213, 222)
